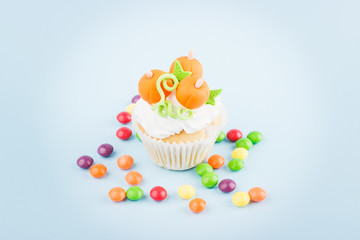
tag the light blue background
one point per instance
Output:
(288, 68)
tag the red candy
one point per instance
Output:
(124, 133)
(158, 193)
(124, 117)
(234, 135)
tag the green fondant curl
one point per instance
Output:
(166, 107)
(184, 114)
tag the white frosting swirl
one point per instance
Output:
(162, 127)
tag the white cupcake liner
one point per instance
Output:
(181, 156)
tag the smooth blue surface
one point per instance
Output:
(288, 68)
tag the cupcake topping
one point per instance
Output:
(213, 95)
(179, 73)
(162, 127)
(190, 55)
(165, 107)
(180, 94)
(149, 74)
(186, 78)
(199, 83)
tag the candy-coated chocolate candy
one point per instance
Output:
(124, 117)
(158, 193)
(130, 108)
(135, 98)
(257, 194)
(138, 137)
(216, 161)
(234, 135)
(197, 205)
(244, 143)
(134, 193)
(133, 178)
(117, 194)
(227, 185)
(98, 170)
(241, 199)
(236, 164)
(124, 133)
(186, 191)
(105, 150)
(85, 162)
(209, 180)
(125, 162)
(255, 136)
(220, 137)
(240, 153)
(203, 168)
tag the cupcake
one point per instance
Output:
(178, 117)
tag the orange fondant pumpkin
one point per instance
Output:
(147, 86)
(192, 92)
(189, 64)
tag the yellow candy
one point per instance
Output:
(241, 199)
(130, 108)
(240, 153)
(186, 191)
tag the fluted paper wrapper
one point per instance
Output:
(181, 156)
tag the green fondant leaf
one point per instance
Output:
(179, 73)
(213, 94)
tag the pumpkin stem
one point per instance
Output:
(149, 74)
(199, 83)
(190, 55)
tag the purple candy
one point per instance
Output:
(105, 150)
(85, 162)
(135, 98)
(227, 185)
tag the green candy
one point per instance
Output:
(236, 164)
(255, 136)
(137, 135)
(244, 143)
(203, 168)
(134, 193)
(209, 180)
(221, 137)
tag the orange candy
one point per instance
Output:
(147, 86)
(197, 205)
(117, 194)
(189, 64)
(216, 161)
(192, 92)
(257, 194)
(133, 178)
(98, 170)
(125, 162)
